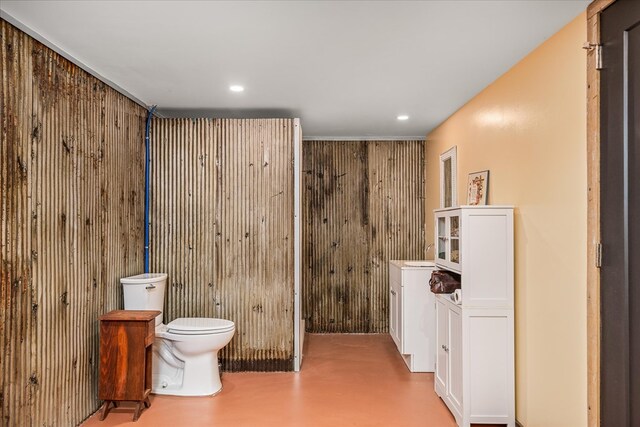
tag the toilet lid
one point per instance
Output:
(199, 325)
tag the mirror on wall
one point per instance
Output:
(448, 171)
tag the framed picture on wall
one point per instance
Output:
(478, 188)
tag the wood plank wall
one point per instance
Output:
(71, 210)
(363, 205)
(222, 228)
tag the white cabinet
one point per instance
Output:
(475, 372)
(477, 243)
(475, 363)
(412, 313)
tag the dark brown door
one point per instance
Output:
(620, 213)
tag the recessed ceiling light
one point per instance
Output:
(236, 88)
(403, 117)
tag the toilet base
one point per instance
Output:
(178, 374)
(181, 393)
(208, 383)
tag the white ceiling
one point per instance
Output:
(346, 68)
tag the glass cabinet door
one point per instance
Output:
(442, 238)
(454, 235)
(448, 228)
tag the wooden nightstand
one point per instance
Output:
(126, 339)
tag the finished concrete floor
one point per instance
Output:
(346, 380)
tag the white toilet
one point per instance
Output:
(185, 352)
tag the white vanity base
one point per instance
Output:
(412, 318)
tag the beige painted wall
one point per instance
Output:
(529, 129)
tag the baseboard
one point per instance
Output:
(519, 424)
(255, 365)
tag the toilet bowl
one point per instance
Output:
(195, 343)
(185, 351)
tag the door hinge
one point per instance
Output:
(598, 255)
(598, 52)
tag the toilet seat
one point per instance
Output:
(199, 326)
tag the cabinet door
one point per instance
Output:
(400, 332)
(441, 238)
(453, 255)
(394, 314)
(455, 358)
(448, 231)
(442, 342)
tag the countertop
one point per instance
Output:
(403, 264)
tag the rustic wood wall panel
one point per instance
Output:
(222, 228)
(396, 209)
(72, 210)
(337, 222)
(364, 205)
(17, 330)
(183, 215)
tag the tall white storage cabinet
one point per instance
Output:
(412, 316)
(475, 372)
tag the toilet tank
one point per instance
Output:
(145, 292)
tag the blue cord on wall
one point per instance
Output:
(147, 174)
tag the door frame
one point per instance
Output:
(593, 211)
